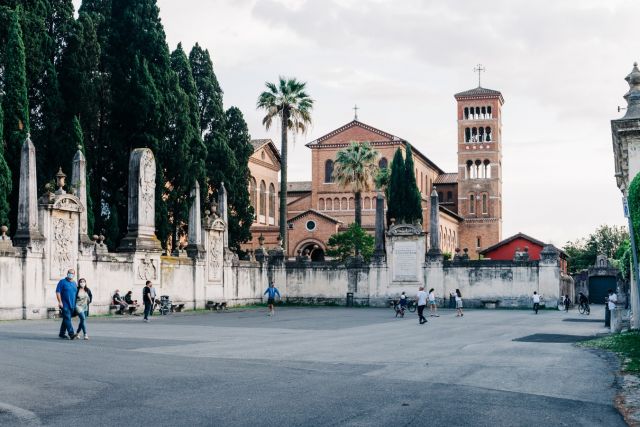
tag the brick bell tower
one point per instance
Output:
(480, 167)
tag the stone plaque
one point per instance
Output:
(405, 261)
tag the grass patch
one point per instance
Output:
(626, 345)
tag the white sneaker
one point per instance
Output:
(85, 337)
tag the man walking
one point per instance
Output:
(147, 299)
(272, 291)
(536, 301)
(66, 293)
(421, 297)
(153, 300)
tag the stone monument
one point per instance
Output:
(28, 232)
(405, 254)
(194, 236)
(223, 208)
(79, 185)
(379, 252)
(141, 233)
(434, 226)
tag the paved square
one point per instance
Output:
(310, 366)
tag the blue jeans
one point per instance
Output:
(66, 326)
(147, 309)
(82, 325)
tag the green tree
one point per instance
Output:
(412, 212)
(209, 93)
(396, 193)
(356, 167)
(345, 244)
(15, 104)
(290, 106)
(5, 180)
(241, 212)
(605, 240)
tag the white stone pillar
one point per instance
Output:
(27, 230)
(79, 185)
(195, 223)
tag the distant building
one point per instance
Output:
(470, 198)
(516, 246)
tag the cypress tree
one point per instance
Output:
(209, 93)
(413, 205)
(241, 215)
(396, 191)
(5, 180)
(187, 149)
(15, 103)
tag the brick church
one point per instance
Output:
(470, 198)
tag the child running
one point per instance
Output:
(271, 298)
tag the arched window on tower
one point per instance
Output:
(253, 194)
(485, 204)
(263, 203)
(467, 134)
(478, 167)
(487, 132)
(477, 112)
(272, 204)
(472, 204)
(481, 134)
(487, 169)
(469, 170)
(483, 112)
(328, 171)
(474, 135)
(383, 163)
(489, 112)
(466, 113)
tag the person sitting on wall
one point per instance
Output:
(128, 298)
(117, 300)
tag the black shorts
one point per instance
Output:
(271, 301)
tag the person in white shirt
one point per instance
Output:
(433, 308)
(613, 299)
(536, 302)
(459, 303)
(421, 298)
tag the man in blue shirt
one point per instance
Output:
(66, 293)
(272, 291)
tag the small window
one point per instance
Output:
(472, 204)
(449, 196)
(328, 171)
(383, 163)
(478, 242)
(440, 197)
(485, 204)
(311, 225)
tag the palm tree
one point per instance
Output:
(291, 105)
(355, 166)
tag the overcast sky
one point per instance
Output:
(559, 64)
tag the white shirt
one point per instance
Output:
(422, 298)
(613, 299)
(458, 298)
(536, 298)
(432, 296)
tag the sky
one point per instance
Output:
(560, 65)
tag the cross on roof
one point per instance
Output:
(479, 69)
(355, 112)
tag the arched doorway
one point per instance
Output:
(315, 251)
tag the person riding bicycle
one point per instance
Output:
(402, 305)
(582, 299)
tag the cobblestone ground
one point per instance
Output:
(310, 366)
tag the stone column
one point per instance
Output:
(379, 253)
(28, 232)
(79, 185)
(222, 209)
(434, 225)
(141, 233)
(626, 150)
(195, 224)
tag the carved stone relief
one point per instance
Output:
(63, 246)
(215, 257)
(147, 269)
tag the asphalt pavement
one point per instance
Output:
(310, 367)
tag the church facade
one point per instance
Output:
(470, 198)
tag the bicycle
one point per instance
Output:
(584, 308)
(395, 304)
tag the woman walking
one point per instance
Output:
(433, 308)
(82, 306)
(459, 303)
(88, 291)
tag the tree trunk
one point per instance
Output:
(283, 179)
(358, 208)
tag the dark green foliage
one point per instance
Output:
(5, 180)
(15, 104)
(343, 245)
(396, 189)
(209, 93)
(606, 240)
(78, 139)
(412, 212)
(241, 212)
(112, 228)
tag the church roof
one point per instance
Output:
(298, 186)
(258, 143)
(446, 178)
(519, 236)
(318, 213)
(479, 93)
(384, 136)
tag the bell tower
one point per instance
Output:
(480, 167)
